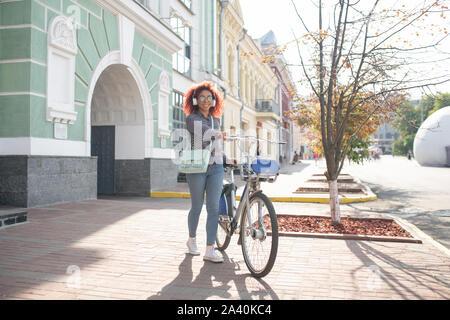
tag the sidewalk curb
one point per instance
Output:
(344, 236)
(369, 193)
(307, 199)
(350, 237)
(169, 194)
(420, 233)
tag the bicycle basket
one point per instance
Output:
(265, 167)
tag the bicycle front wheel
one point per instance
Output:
(260, 245)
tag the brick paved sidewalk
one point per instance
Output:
(135, 249)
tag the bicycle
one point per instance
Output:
(254, 219)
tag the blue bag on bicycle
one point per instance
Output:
(265, 167)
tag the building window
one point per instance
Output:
(233, 143)
(153, 5)
(182, 59)
(179, 118)
(230, 70)
(246, 144)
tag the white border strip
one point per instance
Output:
(22, 93)
(22, 26)
(55, 147)
(157, 153)
(23, 60)
(42, 147)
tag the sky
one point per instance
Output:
(260, 16)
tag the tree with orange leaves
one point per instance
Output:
(307, 114)
(359, 67)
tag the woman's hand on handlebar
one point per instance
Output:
(224, 135)
(232, 163)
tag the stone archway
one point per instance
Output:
(119, 128)
(114, 58)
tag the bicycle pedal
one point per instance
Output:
(224, 218)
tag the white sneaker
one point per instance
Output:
(192, 246)
(211, 255)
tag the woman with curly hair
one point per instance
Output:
(203, 106)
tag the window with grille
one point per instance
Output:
(179, 118)
(153, 5)
(181, 60)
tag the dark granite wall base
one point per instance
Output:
(29, 181)
(13, 180)
(163, 174)
(139, 177)
(132, 177)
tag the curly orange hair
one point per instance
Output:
(193, 92)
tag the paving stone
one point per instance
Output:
(141, 254)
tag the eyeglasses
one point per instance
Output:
(203, 99)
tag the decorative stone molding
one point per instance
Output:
(163, 105)
(147, 24)
(62, 35)
(126, 39)
(61, 52)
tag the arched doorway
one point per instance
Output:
(118, 133)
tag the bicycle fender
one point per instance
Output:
(239, 242)
(256, 192)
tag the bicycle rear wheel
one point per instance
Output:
(223, 236)
(260, 247)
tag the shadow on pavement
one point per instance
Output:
(44, 249)
(389, 194)
(204, 285)
(379, 276)
(294, 168)
(162, 203)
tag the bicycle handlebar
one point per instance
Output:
(252, 139)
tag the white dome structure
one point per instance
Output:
(432, 138)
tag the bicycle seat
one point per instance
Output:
(265, 166)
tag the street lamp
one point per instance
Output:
(223, 5)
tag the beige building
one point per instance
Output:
(250, 87)
(279, 65)
(301, 141)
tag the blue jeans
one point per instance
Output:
(211, 182)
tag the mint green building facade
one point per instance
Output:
(85, 99)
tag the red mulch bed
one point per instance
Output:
(359, 226)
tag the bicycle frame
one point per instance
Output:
(253, 230)
(236, 212)
(252, 186)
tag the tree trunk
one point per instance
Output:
(334, 202)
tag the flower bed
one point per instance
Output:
(350, 228)
(315, 224)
